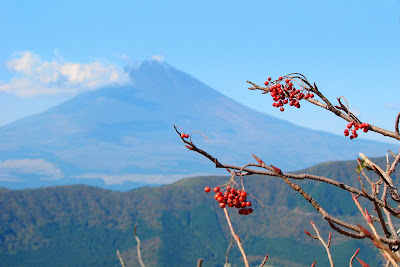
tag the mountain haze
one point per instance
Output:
(122, 137)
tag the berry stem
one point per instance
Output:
(237, 239)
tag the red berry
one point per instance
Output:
(311, 95)
(230, 204)
(241, 211)
(220, 199)
(280, 78)
(248, 203)
(366, 125)
(243, 194)
(250, 210)
(183, 135)
(365, 130)
(282, 109)
(216, 189)
(222, 205)
(266, 83)
(207, 189)
(269, 78)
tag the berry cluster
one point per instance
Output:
(232, 198)
(354, 127)
(287, 93)
(184, 135)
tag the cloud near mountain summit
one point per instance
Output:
(35, 76)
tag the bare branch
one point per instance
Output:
(352, 258)
(282, 93)
(346, 233)
(264, 261)
(394, 164)
(387, 252)
(237, 239)
(120, 259)
(138, 246)
(227, 252)
(324, 244)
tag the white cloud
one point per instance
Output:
(144, 178)
(392, 105)
(158, 58)
(35, 76)
(34, 166)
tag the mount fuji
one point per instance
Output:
(121, 137)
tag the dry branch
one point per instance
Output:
(377, 199)
(138, 246)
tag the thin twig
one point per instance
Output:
(337, 112)
(352, 258)
(264, 260)
(120, 259)
(387, 252)
(138, 246)
(394, 164)
(237, 239)
(227, 252)
(324, 244)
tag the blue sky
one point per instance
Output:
(52, 50)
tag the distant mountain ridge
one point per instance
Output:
(178, 223)
(122, 137)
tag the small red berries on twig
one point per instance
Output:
(184, 135)
(232, 197)
(283, 94)
(354, 127)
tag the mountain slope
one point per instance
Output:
(125, 134)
